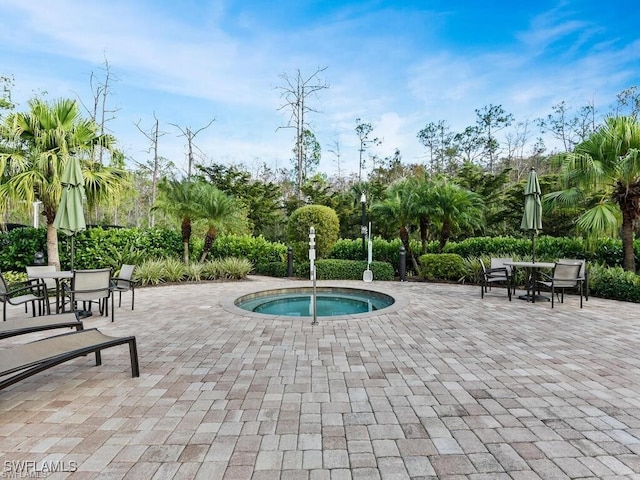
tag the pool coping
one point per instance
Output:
(400, 300)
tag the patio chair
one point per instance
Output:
(32, 274)
(124, 282)
(19, 293)
(584, 273)
(498, 273)
(564, 275)
(22, 361)
(91, 286)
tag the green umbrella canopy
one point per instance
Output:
(532, 218)
(70, 216)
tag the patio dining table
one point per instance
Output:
(533, 269)
(59, 277)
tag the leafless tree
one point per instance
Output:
(190, 135)
(335, 149)
(295, 93)
(98, 111)
(153, 135)
(363, 130)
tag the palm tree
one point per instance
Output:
(221, 212)
(37, 146)
(608, 163)
(396, 211)
(421, 205)
(454, 209)
(180, 199)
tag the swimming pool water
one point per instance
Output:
(330, 302)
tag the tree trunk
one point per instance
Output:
(404, 237)
(53, 257)
(628, 255)
(209, 238)
(186, 236)
(424, 230)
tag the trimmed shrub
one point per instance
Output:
(614, 283)
(442, 266)
(352, 270)
(100, 248)
(18, 246)
(271, 269)
(254, 249)
(326, 224)
(383, 251)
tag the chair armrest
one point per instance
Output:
(502, 271)
(545, 277)
(131, 283)
(29, 286)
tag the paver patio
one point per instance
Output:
(440, 385)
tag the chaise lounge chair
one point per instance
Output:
(11, 328)
(22, 361)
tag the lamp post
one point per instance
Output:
(312, 267)
(363, 201)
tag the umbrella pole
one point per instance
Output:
(533, 247)
(73, 237)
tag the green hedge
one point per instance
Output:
(614, 283)
(255, 249)
(331, 269)
(607, 251)
(17, 247)
(271, 269)
(382, 251)
(98, 247)
(443, 266)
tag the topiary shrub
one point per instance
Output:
(441, 266)
(326, 224)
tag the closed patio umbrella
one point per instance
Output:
(70, 215)
(532, 218)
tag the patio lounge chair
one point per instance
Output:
(22, 361)
(11, 328)
(498, 273)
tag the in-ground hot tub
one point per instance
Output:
(331, 301)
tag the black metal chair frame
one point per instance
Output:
(22, 361)
(494, 275)
(19, 293)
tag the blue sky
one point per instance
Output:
(395, 64)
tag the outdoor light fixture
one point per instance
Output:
(363, 201)
(312, 267)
